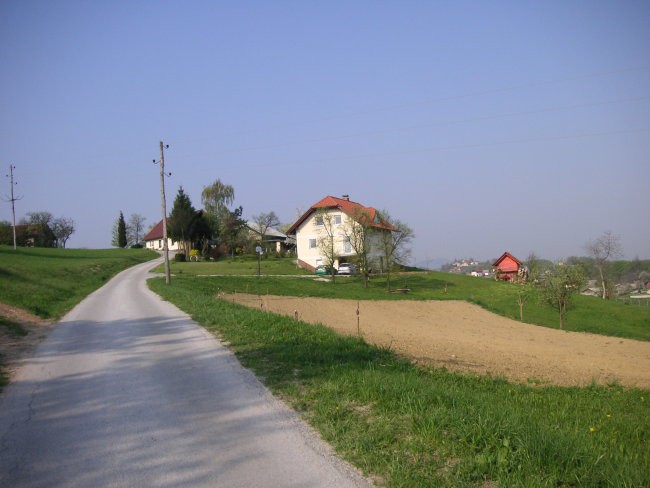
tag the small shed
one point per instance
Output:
(507, 267)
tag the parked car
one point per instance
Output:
(323, 269)
(347, 269)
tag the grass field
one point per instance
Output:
(590, 314)
(49, 282)
(411, 426)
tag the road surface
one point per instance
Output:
(128, 392)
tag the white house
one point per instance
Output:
(342, 214)
(154, 239)
(272, 237)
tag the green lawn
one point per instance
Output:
(49, 282)
(606, 317)
(409, 426)
(241, 265)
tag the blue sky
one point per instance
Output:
(487, 126)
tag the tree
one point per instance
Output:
(62, 228)
(216, 199)
(121, 240)
(558, 286)
(181, 221)
(39, 229)
(135, 229)
(263, 222)
(394, 243)
(358, 231)
(326, 241)
(233, 231)
(602, 250)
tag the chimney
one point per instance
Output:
(346, 197)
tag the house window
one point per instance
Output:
(319, 220)
(312, 243)
(337, 220)
(159, 242)
(347, 246)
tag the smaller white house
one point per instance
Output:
(272, 237)
(154, 239)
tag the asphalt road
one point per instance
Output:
(127, 391)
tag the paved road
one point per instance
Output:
(128, 392)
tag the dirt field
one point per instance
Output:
(464, 337)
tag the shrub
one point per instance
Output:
(179, 257)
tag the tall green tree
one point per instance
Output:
(121, 231)
(181, 221)
(216, 198)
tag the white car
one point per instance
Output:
(347, 269)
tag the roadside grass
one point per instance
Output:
(590, 314)
(49, 282)
(408, 426)
(240, 265)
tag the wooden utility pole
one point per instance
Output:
(164, 212)
(13, 199)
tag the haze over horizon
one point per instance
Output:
(485, 126)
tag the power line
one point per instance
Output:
(439, 124)
(433, 100)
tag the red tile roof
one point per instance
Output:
(504, 256)
(156, 232)
(352, 209)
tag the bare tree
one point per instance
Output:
(394, 241)
(602, 250)
(263, 222)
(359, 232)
(327, 239)
(62, 228)
(558, 286)
(135, 228)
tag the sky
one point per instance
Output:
(486, 126)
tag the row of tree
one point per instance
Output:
(128, 234)
(38, 229)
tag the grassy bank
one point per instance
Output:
(49, 282)
(408, 426)
(590, 314)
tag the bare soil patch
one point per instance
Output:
(464, 337)
(13, 347)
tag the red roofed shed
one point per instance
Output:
(506, 267)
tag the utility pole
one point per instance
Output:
(13, 199)
(164, 209)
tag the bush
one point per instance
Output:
(179, 257)
(137, 246)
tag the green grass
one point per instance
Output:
(241, 265)
(411, 426)
(590, 314)
(49, 282)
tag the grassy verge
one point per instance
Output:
(409, 426)
(12, 329)
(605, 317)
(49, 282)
